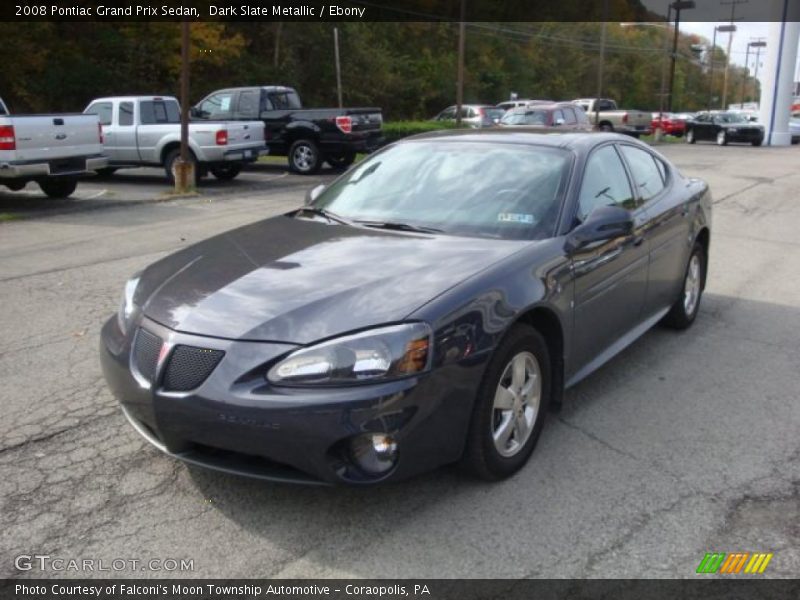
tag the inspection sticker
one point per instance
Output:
(515, 218)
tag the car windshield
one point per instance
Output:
(528, 117)
(481, 189)
(732, 118)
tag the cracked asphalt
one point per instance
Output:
(684, 444)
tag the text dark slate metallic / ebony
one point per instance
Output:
(425, 308)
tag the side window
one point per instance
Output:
(605, 183)
(447, 114)
(103, 110)
(569, 116)
(248, 103)
(558, 114)
(158, 111)
(125, 114)
(605, 105)
(662, 168)
(580, 114)
(217, 106)
(647, 177)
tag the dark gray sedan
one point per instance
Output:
(425, 308)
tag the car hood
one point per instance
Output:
(299, 280)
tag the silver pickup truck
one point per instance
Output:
(144, 131)
(604, 114)
(52, 150)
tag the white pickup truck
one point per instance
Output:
(604, 114)
(52, 150)
(144, 131)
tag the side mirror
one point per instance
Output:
(603, 223)
(194, 112)
(314, 193)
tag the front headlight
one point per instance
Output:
(126, 306)
(378, 354)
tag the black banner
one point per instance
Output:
(436, 589)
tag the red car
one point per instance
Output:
(669, 124)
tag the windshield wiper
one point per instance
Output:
(321, 212)
(397, 226)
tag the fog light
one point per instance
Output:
(374, 453)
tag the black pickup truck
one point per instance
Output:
(308, 137)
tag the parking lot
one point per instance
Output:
(685, 443)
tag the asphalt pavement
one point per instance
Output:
(686, 443)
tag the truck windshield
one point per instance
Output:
(159, 111)
(477, 189)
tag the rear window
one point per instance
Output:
(3, 109)
(103, 110)
(159, 111)
(282, 101)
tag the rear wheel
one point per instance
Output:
(58, 188)
(304, 157)
(606, 127)
(226, 172)
(342, 160)
(690, 139)
(684, 311)
(722, 138)
(511, 406)
(172, 158)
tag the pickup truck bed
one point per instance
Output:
(52, 150)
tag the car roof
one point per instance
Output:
(543, 106)
(569, 141)
(131, 99)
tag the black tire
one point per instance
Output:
(757, 142)
(226, 172)
(341, 161)
(107, 172)
(304, 157)
(722, 138)
(608, 127)
(169, 162)
(482, 457)
(679, 316)
(690, 136)
(58, 188)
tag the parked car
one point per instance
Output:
(559, 117)
(52, 150)
(473, 115)
(144, 131)
(724, 127)
(604, 114)
(424, 308)
(669, 124)
(509, 104)
(307, 137)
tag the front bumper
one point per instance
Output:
(30, 170)
(237, 423)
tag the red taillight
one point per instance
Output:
(625, 118)
(345, 124)
(222, 137)
(7, 140)
(100, 132)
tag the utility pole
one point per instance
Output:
(601, 63)
(678, 6)
(758, 45)
(460, 84)
(338, 65)
(184, 169)
(732, 4)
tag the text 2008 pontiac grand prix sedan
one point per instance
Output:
(423, 309)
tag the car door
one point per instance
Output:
(105, 114)
(667, 227)
(610, 278)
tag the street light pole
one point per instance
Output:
(711, 69)
(678, 6)
(744, 76)
(732, 4)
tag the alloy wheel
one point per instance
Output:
(516, 404)
(691, 287)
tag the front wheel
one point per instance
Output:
(304, 157)
(226, 172)
(510, 407)
(607, 127)
(683, 312)
(170, 163)
(58, 188)
(690, 139)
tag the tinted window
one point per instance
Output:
(125, 114)
(525, 117)
(447, 113)
(248, 103)
(481, 189)
(646, 176)
(284, 100)
(605, 105)
(569, 116)
(217, 106)
(159, 111)
(605, 183)
(103, 110)
(558, 116)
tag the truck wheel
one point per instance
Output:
(341, 161)
(606, 127)
(169, 164)
(58, 188)
(107, 172)
(722, 138)
(226, 172)
(690, 139)
(304, 157)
